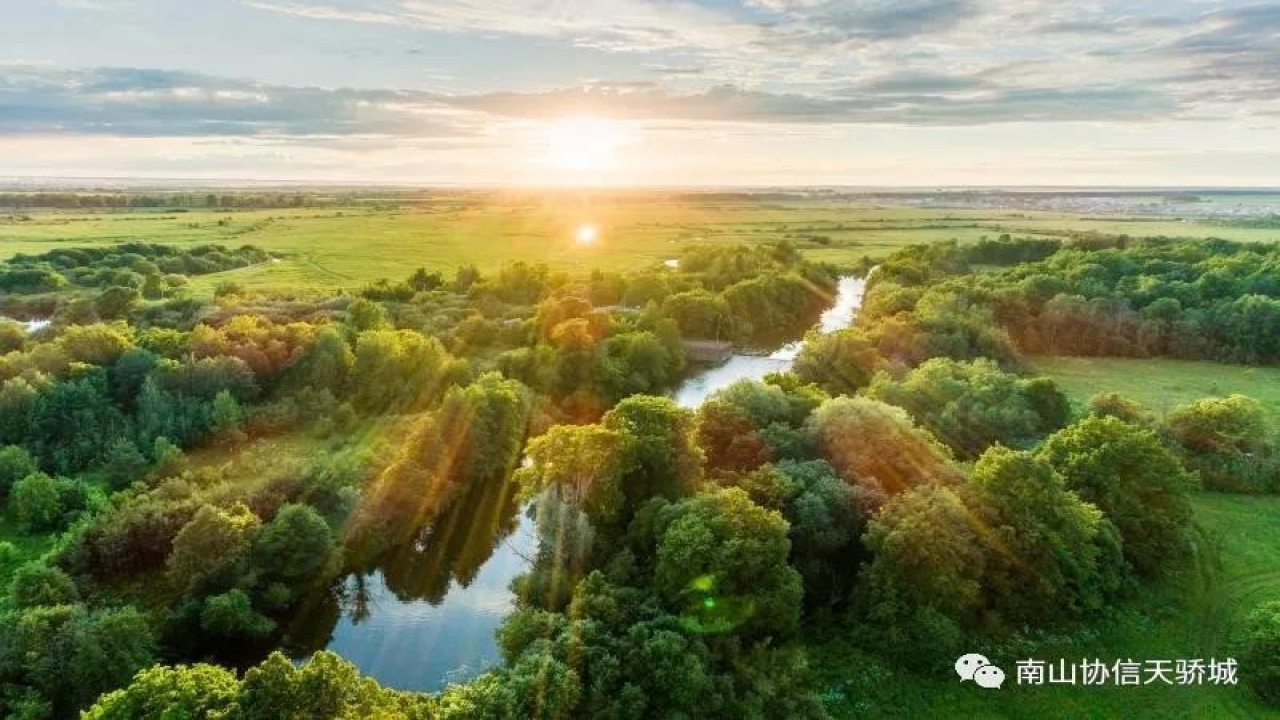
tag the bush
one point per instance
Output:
(1260, 662)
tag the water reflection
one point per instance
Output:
(424, 613)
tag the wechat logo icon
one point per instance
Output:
(979, 669)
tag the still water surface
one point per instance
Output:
(424, 615)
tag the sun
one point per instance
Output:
(586, 234)
(582, 144)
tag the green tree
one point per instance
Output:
(699, 314)
(662, 459)
(722, 566)
(1228, 441)
(877, 448)
(364, 314)
(1138, 484)
(170, 693)
(231, 615)
(295, 546)
(1053, 555)
(123, 464)
(43, 503)
(15, 463)
(117, 302)
(212, 542)
(841, 362)
(35, 584)
(922, 589)
(96, 344)
(973, 405)
(1260, 661)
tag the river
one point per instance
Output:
(424, 615)
(742, 366)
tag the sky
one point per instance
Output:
(644, 92)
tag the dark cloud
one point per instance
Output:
(1079, 27)
(923, 82)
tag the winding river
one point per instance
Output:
(424, 615)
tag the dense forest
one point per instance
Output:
(908, 484)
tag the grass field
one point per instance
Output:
(1192, 616)
(1162, 384)
(333, 248)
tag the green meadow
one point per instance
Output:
(1161, 384)
(331, 248)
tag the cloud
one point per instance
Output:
(135, 102)
(904, 100)
(619, 25)
(1078, 27)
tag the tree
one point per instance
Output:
(364, 314)
(325, 687)
(1118, 406)
(168, 457)
(583, 465)
(699, 314)
(1228, 441)
(662, 459)
(729, 439)
(96, 344)
(123, 464)
(43, 503)
(13, 336)
(165, 693)
(841, 362)
(826, 525)
(212, 542)
(226, 417)
(877, 448)
(637, 362)
(326, 365)
(721, 565)
(923, 587)
(973, 405)
(118, 302)
(15, 464)
(231, 615)
(1052, 555)
(1137, 483)
(35, 584)
(130, 371)
(294, 546)
(474, 439)
(1260, 662)
(423, 281)
(72, 655)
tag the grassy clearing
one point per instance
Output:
(1192, 616)
(1162, 384)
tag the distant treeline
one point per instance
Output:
(1192, 299)
(93, 200)
(145, 267)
